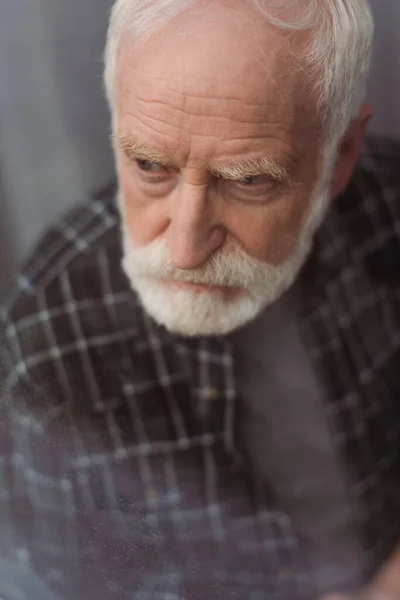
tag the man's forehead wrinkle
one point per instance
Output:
(169, 140)
(168, 94)
(191, 107)
(160, 88)
(168, 119)
(169, 97)
(201, 93)
(187, 118)
(197, 86)
(168, 123)
(239, 144)
(242, 137)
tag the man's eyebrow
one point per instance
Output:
(236, 170)
(253, 167)
(136, 150)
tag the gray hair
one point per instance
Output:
(337, 56)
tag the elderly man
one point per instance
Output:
(220, 419)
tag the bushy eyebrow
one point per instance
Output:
(135, 150)
(236, 170)
(252, 168)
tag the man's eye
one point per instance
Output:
(149, 166)
(253, 180)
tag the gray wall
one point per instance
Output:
(384, 89)
(53, 118)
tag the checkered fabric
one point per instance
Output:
(121, 476)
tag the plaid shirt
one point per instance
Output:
(121, 476)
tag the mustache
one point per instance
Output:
(228, 268)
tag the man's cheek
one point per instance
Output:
(145, 221)
(272, 236)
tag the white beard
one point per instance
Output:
(201, 313)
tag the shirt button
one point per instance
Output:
(212, 394)
(151, 493)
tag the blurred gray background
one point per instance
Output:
(53, 118)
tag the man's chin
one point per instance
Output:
(196, 310)
(227, 293)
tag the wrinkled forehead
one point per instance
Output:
(206, 62)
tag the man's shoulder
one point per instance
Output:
(68, 245)
(71, 299)
(364, 222)
(377, 176)
(380, 152)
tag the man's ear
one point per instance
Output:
(350, 149)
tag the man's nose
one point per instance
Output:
(193, 233)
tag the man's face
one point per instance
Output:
(220, 166)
